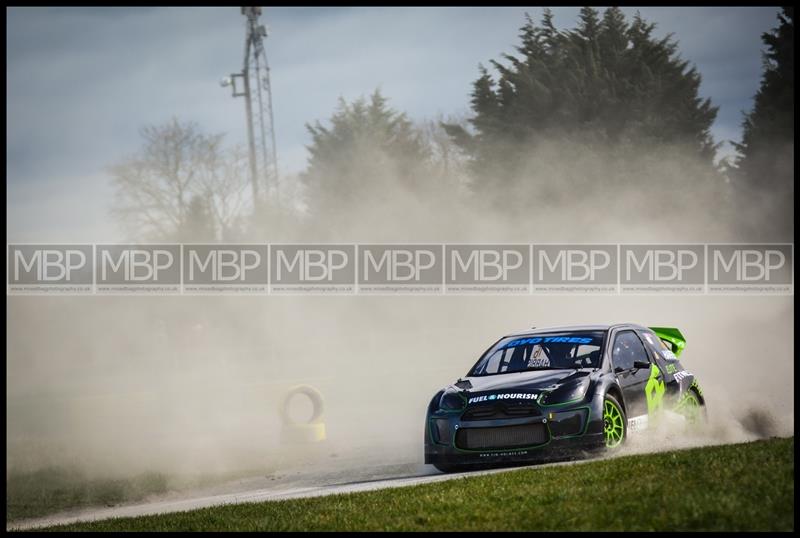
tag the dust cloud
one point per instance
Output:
(192, 385)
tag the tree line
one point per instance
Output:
(600, 108)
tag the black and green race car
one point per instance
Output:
(546, 393)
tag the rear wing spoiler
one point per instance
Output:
(673, 336)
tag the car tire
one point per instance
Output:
(615, 423)
(693, 410)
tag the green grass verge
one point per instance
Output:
(746, 486)
(55, 489)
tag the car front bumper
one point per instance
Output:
(549, 432)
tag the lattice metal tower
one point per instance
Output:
(256, 89)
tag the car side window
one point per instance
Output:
(493, 364)
(627, 349)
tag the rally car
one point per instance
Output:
(551, 392)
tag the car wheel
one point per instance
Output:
(692, 409)
(615, 424)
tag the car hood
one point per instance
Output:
(532, 381)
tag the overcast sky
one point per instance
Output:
(81, 82)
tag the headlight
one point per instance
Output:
(567, 393)
(451, 401)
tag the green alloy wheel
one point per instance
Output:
(614, 422)
(691, 408)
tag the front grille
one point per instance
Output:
(501, 437)
(499, 411)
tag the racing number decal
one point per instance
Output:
(654, 390)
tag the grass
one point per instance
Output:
(746, 486)
(55, 489)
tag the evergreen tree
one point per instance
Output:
(368, 151)
(605, 82)
(767, 148)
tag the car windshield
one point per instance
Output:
(556, 351)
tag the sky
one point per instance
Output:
(81, 82)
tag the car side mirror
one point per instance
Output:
(641, 364)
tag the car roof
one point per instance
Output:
(576, 328)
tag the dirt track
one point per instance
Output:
(290, 485)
